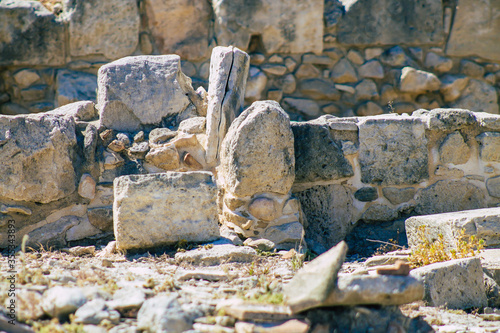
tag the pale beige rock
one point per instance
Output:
(255, 85)
(150, 210)
(26, 77)
(452, 86)
(478, 96)
(307, 71)
(28, 305)
(371, 69)
(343, 72)
(454, 149)
(489, 146)
(166, 157)
(438, 63)
(86, 188)
(112, 159)
(369, 109)
(180, 27)
(218, 254)
(263, 208)
(417, 81)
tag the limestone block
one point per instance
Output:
(395, 57)
(294, 26)
(226, 92)
(218, 254)
(475, 30)
(37, 154)
(417, 81)
(74, 86)
(30, 35)
(456, 284)
(392, 150)
(478, 96)
(80, 111)
(482, 223)
(390, 22)
(110, 27)
(126, 87)
(150, 210)
(182, 28)
(454, 149)
(452, 86)
(446, 119)
(489, 146)
(257, 153)
(449, 196)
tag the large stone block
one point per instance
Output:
(30, 35)
(257, 153)
(456, 284)
(180, 27)
(293, 26)
(393, 150)
(475, 30)
(389, 22)
(107, 27)
(134, 91)
(449, 196)
(164, 208)
(37, 153)
(482, 223)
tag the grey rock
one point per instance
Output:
(449, 196)
(46, 45)
(95, 311)
(110, 28)
(391, 146)
(303, 106)
(61, 301)
(286, 236)
(317, 155)
(30, 142)
(372, 70)
(28, 304)
(101, 217)
(366, 194)
(446, 119)
(257, 153)
(478, 96)
(287, 83)
(481, 223)
(126, 87)
(489, 146)
(74, 86)
(454, 149)
(310, 58)
(80, 111)
(398, 195)
(472, 69)
(490, 263)
(343, 72)
(456, 284)
(417, 81)
(13, 109)
(438, 63)
(383, 260)
(313, 283)
(493, 186)
(274, 69)
(228, 76)
(492, 290)
(378, 212)
(218, 254)
(395, 57)
(33, 93)
(329, 212)
(163, 314)
(256, 85)
(390, 22)
(452, 86)
(143, 220)
(319, 89)
(196, 125)
(369, 109)
(201, 274)
(127, 299)
(366, 90)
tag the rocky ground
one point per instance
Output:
(114, 292)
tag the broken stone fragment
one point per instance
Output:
(86, 188)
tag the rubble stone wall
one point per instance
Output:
(315, 57)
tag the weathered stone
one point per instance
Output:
(377, 212)
(142, 220)
(302, 106)
(160, 136)
(382, 260)
(366, 194)
(490, 263)
(472, 69)
(61, 301)
(392, 150)
(101, 217)
(110, 28)
(86, 187)
(217, 255)
(307, 71)
(260, 244)
(163, 314)
(398, 195)
(493, 186)
(293, 325)
(452, 86)
(369, 109)
(145, 44)
(343, 72)
(127, 299)
(454, 149)
(395, 57)
(312, 284)
(329, 211)
(257, 153)
(446, 119)
(355, 57)
(126, 87)
(474, 31)
(28, 305)
(74, 86)
(438, 63)
(292, 27)
(112, 159)
(80, 111)
(31, 144)
(373, 52)
(492, 290)
(182, 28)
(288, 83)
(226, 92)
(263, 208)
(389, 22)
(33, 93)
(94, 312)
(489, 146)
(456, 284)
(196, 125)
(317, 59)
(166, 157)
(274, 69)
(286, 236)
(255, 312)
(255, 85)
(372, 70)
(366, 90)
(202, 274)
(417, 82)
(478, 96)
(481, 223)
(319, 89)
(25, 78)
(30, 35)
(449, 196)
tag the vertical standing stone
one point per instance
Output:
(226, 92)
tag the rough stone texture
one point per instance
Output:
(30, 144)
(74, 86)
(377, 212)
(29, 305)
(389, 22)
(257, 153)
(163, 314)
(302, 106)
(344, 72)
(86, 187)
(398, 195)
(493, 186)
(30, 35)
(489, 146)
(454, 149)
(366, 194)
(369, 109)
(319, 89)
(417, 81)
(490, 263)
(228, 76)
(217, 255)
(256, 84)
(452, 86)
(180, 27)
(456, 284)
(475, 30)
(446, 119)
(482, 223)
(126, 87)
(371, 69)
(61, 301)
(316, 280)
(143, 220)
(449, 196)
(392, 150)
(285, 27)
(80, 111)
(329, 212)
(478, 96)
(317, 156)
(110, 28)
